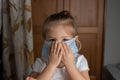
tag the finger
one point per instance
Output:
(62, 51)
(65, 48)
(28, 78)
(32, 78)
(58, 48)
(62, 48)
(52, 47)
(55, 47)
(60, 54)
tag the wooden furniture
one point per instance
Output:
(89, 16)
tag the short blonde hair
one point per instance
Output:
(64, 18)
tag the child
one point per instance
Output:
(60, 59)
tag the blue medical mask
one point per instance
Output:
(47, 44)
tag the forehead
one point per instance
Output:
(59, 30)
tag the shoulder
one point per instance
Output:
(81, 62)
(79, 57)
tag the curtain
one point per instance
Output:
(17, 38)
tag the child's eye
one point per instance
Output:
(65, 39)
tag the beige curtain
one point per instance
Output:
(17, 38)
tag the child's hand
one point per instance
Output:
(67, 55)
(30, 78)
(55, 54)
(33, 76)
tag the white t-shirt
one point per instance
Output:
(60, 73)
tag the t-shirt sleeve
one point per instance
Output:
(82, 64)
(38, 66)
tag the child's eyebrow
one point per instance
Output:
(49, 36)
(66, 36)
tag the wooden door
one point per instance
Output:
(89, 17)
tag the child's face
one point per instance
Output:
(59, 33)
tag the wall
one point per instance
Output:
(112, 32)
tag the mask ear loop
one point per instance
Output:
(78, 43)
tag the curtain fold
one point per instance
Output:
(17, 38)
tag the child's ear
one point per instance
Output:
(78, 43)
(76, 37)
